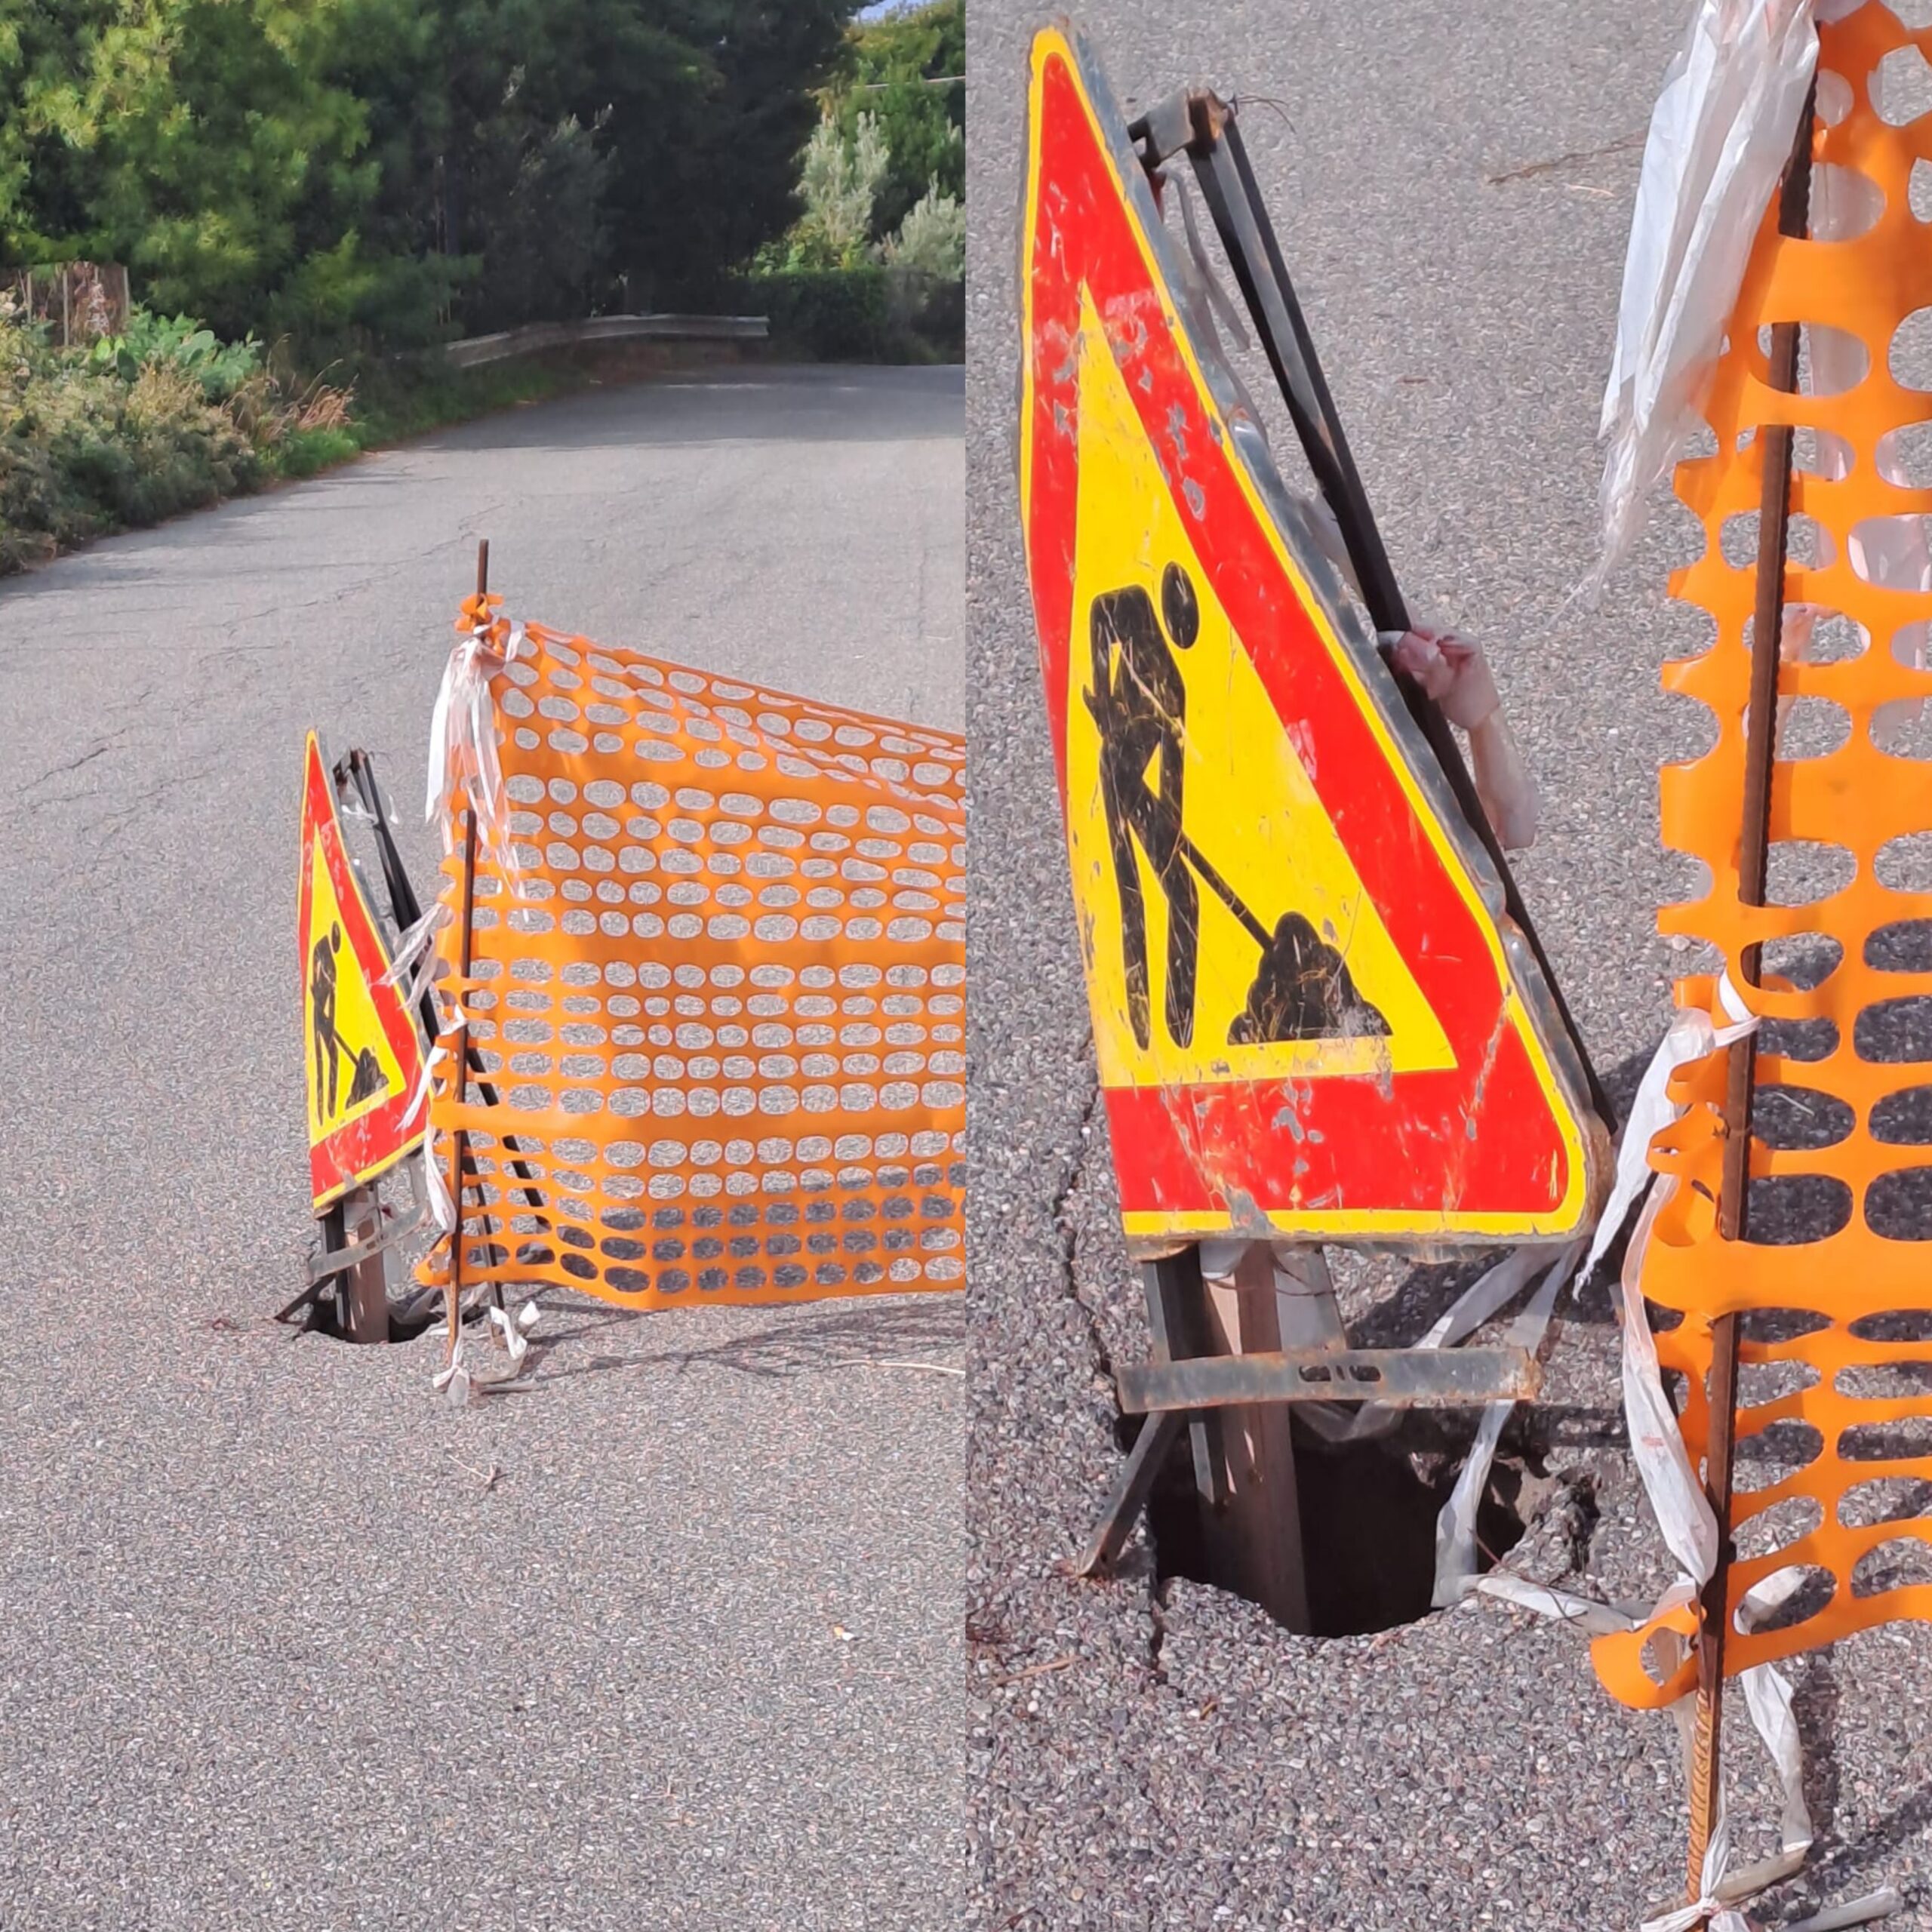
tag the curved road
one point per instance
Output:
(670, 1639)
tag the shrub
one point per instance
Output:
(839, 183)
(163, 419)
(837, 315)
(929, 311)
(931, 240)
(180, 342)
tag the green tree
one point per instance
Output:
(694, 110)
(839, 182)
(904, 68)
(725, 179)
(205, 145)
(931, 240)
(403, 167)
(44, 184)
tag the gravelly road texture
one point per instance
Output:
(671, 1638)
(1452, 190)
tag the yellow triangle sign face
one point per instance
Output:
(351, 1067)
(1185, 739)
(1308, 1012)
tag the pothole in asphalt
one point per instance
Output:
(410, 1313)
(1367, 1512)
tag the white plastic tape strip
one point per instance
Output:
(463, 741)
(1767, 1695)
(1486, 1296)
(425, 1084)
(415, 943)
(1657, 1443)
(452, 1379)
(442, 1209)
(1456, 1527)
(1719, 137)
(1691, 1036)
(515, 1337)
(1708, 1908)
(1593, 1619)
(1881, 1904)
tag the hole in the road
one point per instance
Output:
(410, 1315)
(1368, 1513)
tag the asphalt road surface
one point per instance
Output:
(1453, 189)
(671, 1638)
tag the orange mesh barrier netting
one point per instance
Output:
(1835, 1412)
(715, 979)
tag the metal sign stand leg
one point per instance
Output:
(1172, 1288)
(1174, 1293)
(367, 1312)
(1244, 1460)
(1254, 1539)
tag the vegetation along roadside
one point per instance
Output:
(368, 179)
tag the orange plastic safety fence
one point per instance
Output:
(1834, 1286)
(720, 992)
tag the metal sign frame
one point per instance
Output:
(1204, 1154)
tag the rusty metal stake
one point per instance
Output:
(460, 1040)
(1753, 863)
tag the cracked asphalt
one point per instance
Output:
(1453, 193)
(671, 1637)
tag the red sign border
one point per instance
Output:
(1168, 1142)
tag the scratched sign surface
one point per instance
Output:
(1309, 1017)
(360, 1049)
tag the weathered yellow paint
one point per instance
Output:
(357, 1029)
(1247, 801)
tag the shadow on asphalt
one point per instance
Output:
(801, 1341)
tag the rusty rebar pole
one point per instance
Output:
(460, 1041)
(1753, 866)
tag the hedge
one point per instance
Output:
(828, 315)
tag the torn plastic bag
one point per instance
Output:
(1454, 672)
(1719, 137)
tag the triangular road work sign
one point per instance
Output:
(1311, 1019)
(362, 1060)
